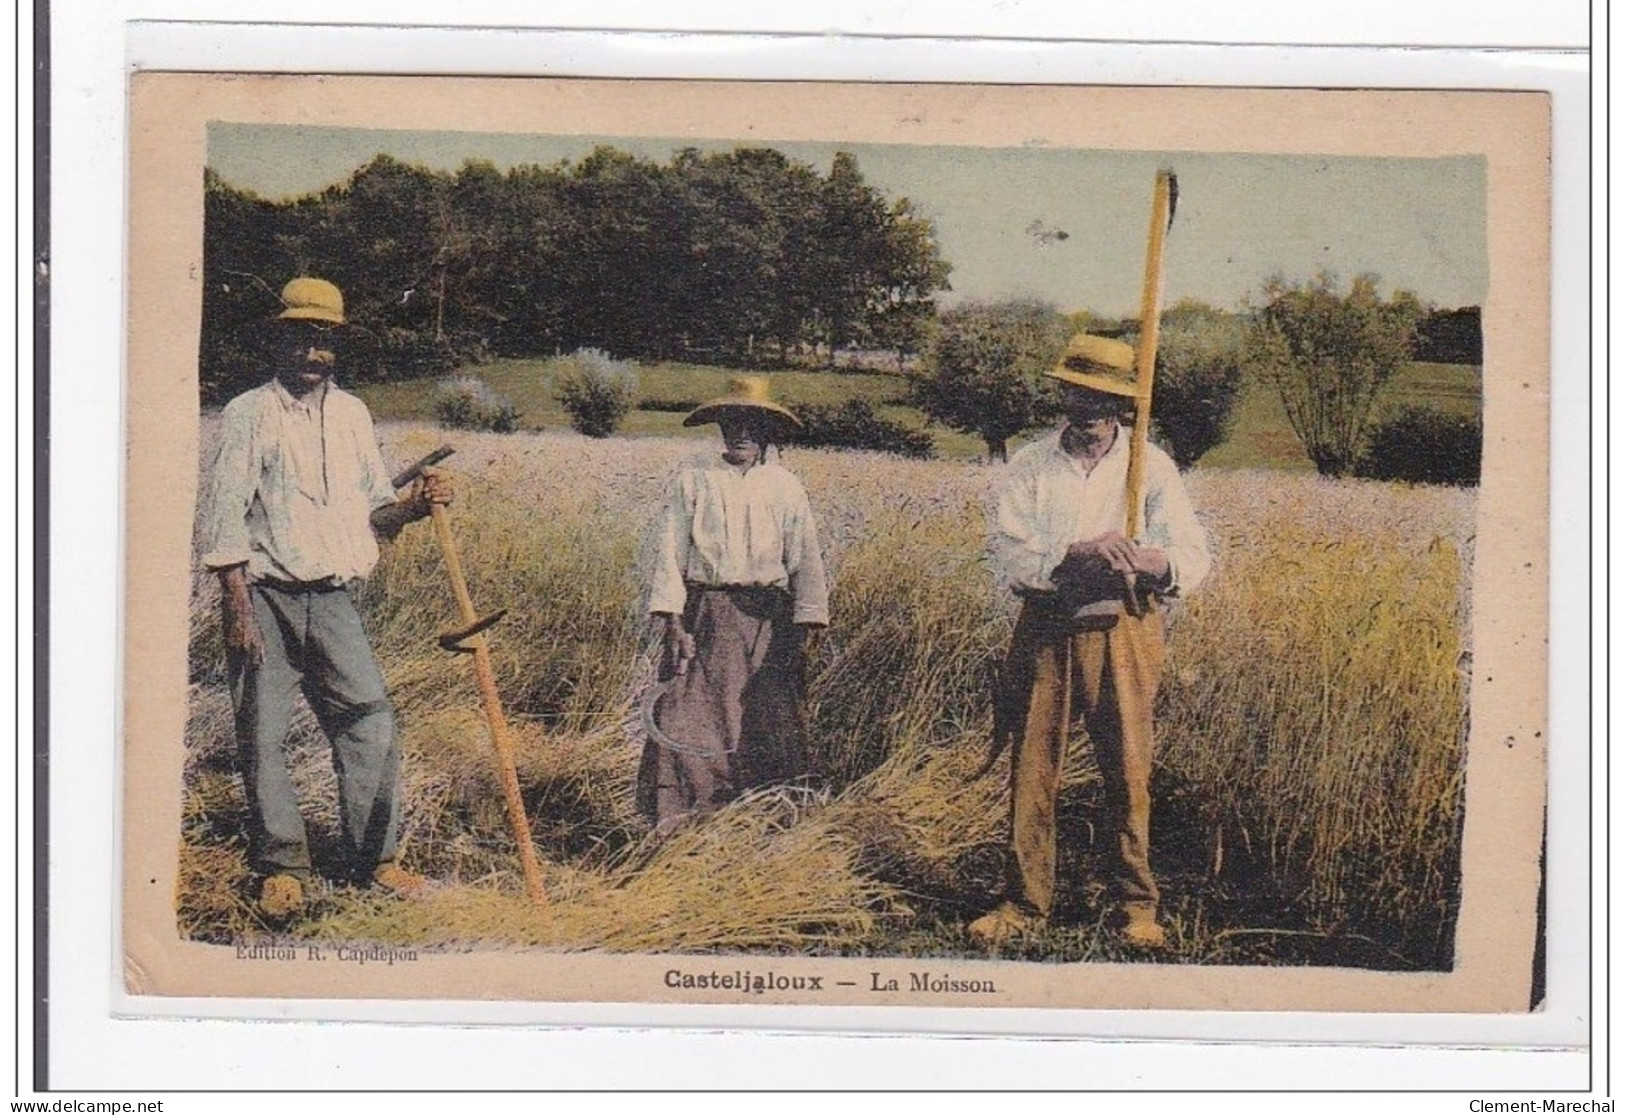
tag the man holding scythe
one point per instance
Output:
(1093, 530)
(297, 499)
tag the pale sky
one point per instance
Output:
(1417, 223)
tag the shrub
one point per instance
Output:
(1329, 354)
(466, 403)
(1425, 446)
(984, 374)
(1199, 373)
(854, 424)
(595, 389)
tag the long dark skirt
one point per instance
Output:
(733, 721)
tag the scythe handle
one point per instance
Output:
(1146, 356)
(491, 703)
(1162, 201)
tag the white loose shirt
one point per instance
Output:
(294, 485)
(722, 526)
(1049, 500)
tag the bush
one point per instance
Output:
(1328, 354)
(466, 403)
(854, 424)
(1199, 373)
(985, 372)
(1425, 446)
(596, 390)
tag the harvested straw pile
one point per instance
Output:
(766, 873)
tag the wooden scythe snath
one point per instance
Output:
(469, 638)
(1164, 198)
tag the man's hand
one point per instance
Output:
(678, 644)
(432, 488)
(241, 629)
(1151, 562)
(1111, 550)
(807, 636)
(1092, 560)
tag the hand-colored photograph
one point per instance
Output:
(844, 568)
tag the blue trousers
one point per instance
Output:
(315, 644)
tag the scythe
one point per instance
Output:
(469, 638)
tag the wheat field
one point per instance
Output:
(1311, 726)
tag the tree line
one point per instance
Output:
(745, 256)
(1328, 353)
(749, 257)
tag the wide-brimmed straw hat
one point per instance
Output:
(745, 393)
(310, 299)
(1099, 363)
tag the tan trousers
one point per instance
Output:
(1108, 679)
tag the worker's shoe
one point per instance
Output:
(282, 896)
(1138, 928)
(397, 880)
(1006, 922)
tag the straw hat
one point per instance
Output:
(308, 299)
(1099, 363)
(747, 393)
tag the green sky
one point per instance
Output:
(1000, 212)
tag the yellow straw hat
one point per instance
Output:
(308, 299)
(1099, 363)
(744, 393)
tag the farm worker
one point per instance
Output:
(1078, 652)
(738, 581)
(297, 498)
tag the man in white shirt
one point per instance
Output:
(297, 497)
(1088, 643)
(738, 580)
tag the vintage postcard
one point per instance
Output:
(900, 545)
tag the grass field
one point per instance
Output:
(1260, 437)
(1308, 785)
